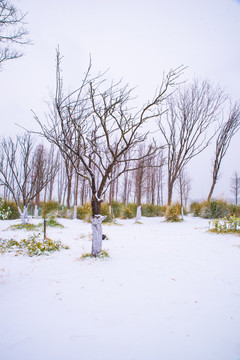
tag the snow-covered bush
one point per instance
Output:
(49, 209)
(129, 211)
(173, 213)
(151, 210)
(31, 246)
(5, 212)
(225, 225)
(196, 208)
(84, 212)
(214, 209)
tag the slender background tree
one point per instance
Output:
(187, 125)
(226, 132)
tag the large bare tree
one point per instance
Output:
(226, 132)
(93, 125)
(13, 31)
(186, 126)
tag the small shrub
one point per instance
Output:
(5, 211)
(225, 225)
(28, 227)
(13, 208)
(162, 210)
(173, 213)
(63, 212)
(151, 210)
(105, 212)
(196, 208)
(53, 223)
(234, 210)
(117, 209)
(84, 212)
(31, 246)
(129, 211)
(214, 209)
(50, 209)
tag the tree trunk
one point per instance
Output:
(170, 191)
(75, 212)
(139, 213)
(75, 197)
(35, 211)
(97, 220)
(24, 215)
(69, 192)
(211, 191)
(97, 234)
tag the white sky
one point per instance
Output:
(137, 40)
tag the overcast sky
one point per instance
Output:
(137, 40)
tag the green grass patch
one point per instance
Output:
(54, 223)
(28, 227)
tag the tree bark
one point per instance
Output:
(97, 234)
(170, 192)
(97, 220)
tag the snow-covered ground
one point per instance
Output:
(167, 292)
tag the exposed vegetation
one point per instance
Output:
(31, 227)
(229, 224)
(28, 227)
(5, 211)
(214, 209)
(32, 246)
(102, 255)
(173, 213)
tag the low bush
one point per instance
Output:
(117, 209)
(173, 213)
(28, 227)
(84, 212)
(105, 212)
(214, 209)
(129, 211)
(13, 209)
(53, 223)
(5, 210)
(49, 209)
(150, 210)
(196, 208)
(229, 224)
(31, 246)
(234, 210)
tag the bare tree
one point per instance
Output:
(22, 172)
(39, 165)
(94, 126)
(186, 127)
(160, 179)
(235, 186)
(184, 188)
(225, 135)
(13, 31)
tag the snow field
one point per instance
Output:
(168, 291)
